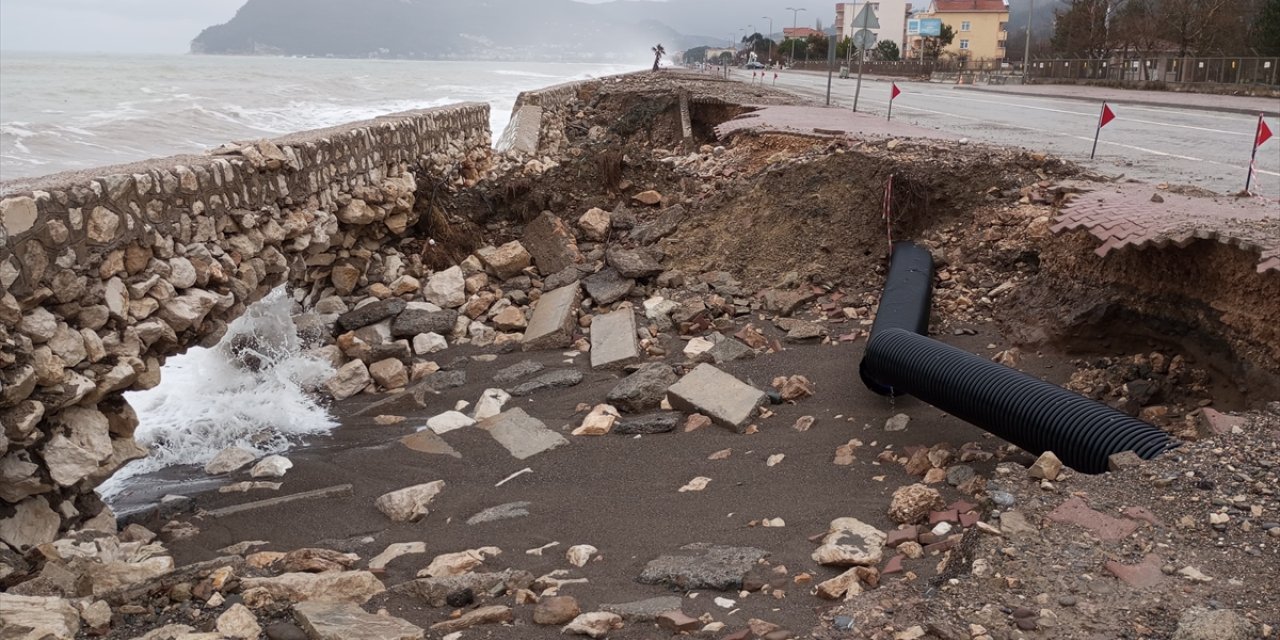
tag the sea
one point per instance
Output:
(71, 112)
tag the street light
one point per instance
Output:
(770, 36)
(795, 13)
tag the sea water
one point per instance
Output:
(71, 112)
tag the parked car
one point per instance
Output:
(754, 64)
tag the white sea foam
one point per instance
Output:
(208, 400)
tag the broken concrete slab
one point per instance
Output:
(613, 340)
(517, 371)
(726, 350)
(345, 621)
(521, 434)
(554, 379)
(632, 263)
(665, 422)
(713, 393)
(643, 389)
(501, 512)
(608, 286)
(644, 610)
(435, 591)
(427, 441)
(705, 566)
(553, 321)
(551, 243)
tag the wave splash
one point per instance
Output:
(251, 390)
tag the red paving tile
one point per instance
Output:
(1123, 216)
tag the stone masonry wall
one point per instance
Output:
(103, 275)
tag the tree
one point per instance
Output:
(816, 46)
(658, 52)
(933, 46)
(696, 55)
(1081, 29)
(886, 50)
(762, 46)
(1266, 29)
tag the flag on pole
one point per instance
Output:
(894, 93)
(1263, 134)
(1105, 117)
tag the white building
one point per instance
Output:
(891, 14)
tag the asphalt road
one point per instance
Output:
(1207, 149)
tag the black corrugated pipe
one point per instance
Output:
(1037, 416)
(908, 294)
(1031, 413)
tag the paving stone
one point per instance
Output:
(412, 322)
(521, 434)
(711, 392)
(632, 263)
(1076, 511)
(554, 379)
(1139, 576)
(613, 340)
(608, 286)
(726, 350)
(704, 566)
(345, 621)
(553, 321)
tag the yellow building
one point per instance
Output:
(981, 26)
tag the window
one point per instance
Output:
(964, 26)
(964, 45)
(1004, 27)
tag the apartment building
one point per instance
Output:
(891, 14)
(981, 26)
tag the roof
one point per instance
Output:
(969, 6)
(799, 32)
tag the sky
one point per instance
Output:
(112, 26)
(166, 26)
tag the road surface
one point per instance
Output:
(1155, 144)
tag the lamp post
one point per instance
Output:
(795, 13)
(1026, 52)
(770, 36)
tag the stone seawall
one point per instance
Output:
(105, 274)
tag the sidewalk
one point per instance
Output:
(1172, 99)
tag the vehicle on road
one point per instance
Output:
(753, 65)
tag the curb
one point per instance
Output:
(1123, 100)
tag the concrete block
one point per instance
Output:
(613, 340)
(551, 326)
(521, 434)
(521, 135)
(726, 400)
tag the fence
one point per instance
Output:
(1247, 71)
(910, 68)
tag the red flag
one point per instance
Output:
(896, 91)
(1264, 133)
(1107, 116)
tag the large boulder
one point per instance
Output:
(410, 503)
(644, 389)
(551, 243)
(37, 618)
(446, 288)
(506, 261)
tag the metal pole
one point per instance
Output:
(862, 56)
(795, 13)
(831, 65)
(1026, 53)
(1248, 182)
(770, 36)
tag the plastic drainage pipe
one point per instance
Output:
(907, 297)
(1031, 413)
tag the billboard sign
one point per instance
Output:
(925, 27)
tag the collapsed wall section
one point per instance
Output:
(105, 274)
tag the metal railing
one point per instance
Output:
(909, 68)
(1178, 70)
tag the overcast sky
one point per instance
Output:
(124, 26)
(167, 26)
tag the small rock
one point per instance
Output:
(229, 460)
(556, 610)
(910, 504)
(594, 625)
(578, 555)
(271, 467)
(897, 422)
(1046, 467)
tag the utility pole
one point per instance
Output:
(769, 37)
(794, 14)
(1026, 53)
(862, 54)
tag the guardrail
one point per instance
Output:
(1177, 70)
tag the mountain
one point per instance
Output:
(443, 29)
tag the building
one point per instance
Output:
(801, 33)
(891, 14)
(981, 27)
